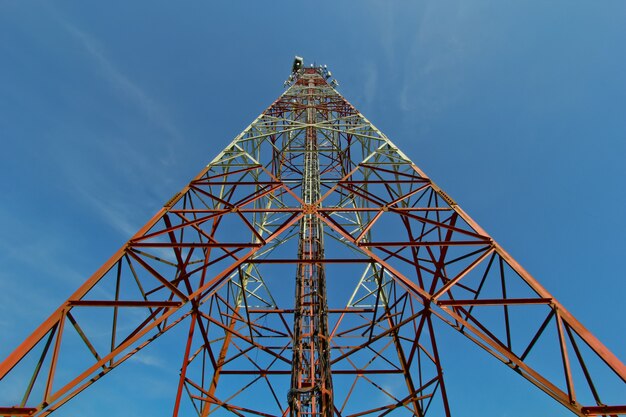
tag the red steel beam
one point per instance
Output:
(601, 410)
(17, 411)
(495, 302)
(106, 303)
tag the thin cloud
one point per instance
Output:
(116, 215)
(45, 251)
(388, 33)
(371, 83)
(130, 163)
(147, 359)
(31, 267)
(121, 82)
(431, 67)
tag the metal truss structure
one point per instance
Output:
(311, 200)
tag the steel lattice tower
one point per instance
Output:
(311, 199)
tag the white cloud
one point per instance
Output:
(40, 252)
(431, 77)
(123, 179)
(388, 30)
(122, 83)
(115, 213)
(148, 360)
(371, 82)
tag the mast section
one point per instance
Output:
(311, 383)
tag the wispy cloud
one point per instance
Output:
(371, 83)
(147, 359)
(121, 82)
(388, 31)
(35, 250)
(33, 265)
(106, 183)
(431, 77)
(116, 214)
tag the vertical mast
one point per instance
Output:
(311, 383)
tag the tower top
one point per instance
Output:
(298, 68)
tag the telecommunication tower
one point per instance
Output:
(308, 263)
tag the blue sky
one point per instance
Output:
(516, 109)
